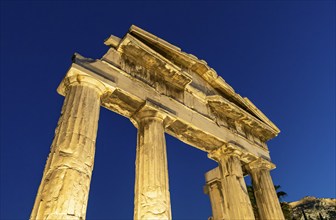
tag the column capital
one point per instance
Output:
(260, 164)
(264, 191)
(85, 80)
(77, 77)
(213, 176)
(236, 202)
(225, 151)
(149, 111)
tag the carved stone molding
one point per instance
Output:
(225, 151)
(222, 106)
(260, 164)
(85, 81)
(150, 65)
(77, 77)
(150, 110)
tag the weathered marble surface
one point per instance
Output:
(64, 189)
(160, 89)
(237, 204)
(152, 197)
(264, 191)
(214, 189)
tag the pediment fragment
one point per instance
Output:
(189, 62)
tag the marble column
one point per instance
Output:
(213, 188)
(64, 189)
(237, 204)
(264, 191)
(152, 197)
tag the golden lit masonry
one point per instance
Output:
(180, 95)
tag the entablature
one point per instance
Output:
(128, 94)
(200, 96)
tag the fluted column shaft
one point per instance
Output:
(264, 191)
(64, 189)
(237, 205)
(237, 202)
(214, 189)
(152, 197)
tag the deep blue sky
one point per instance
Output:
(279, 54)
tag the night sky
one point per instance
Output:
(279, 54)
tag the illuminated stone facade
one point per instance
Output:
(160, 89)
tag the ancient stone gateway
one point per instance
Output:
(160, 89)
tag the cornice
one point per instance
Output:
(226, 109)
